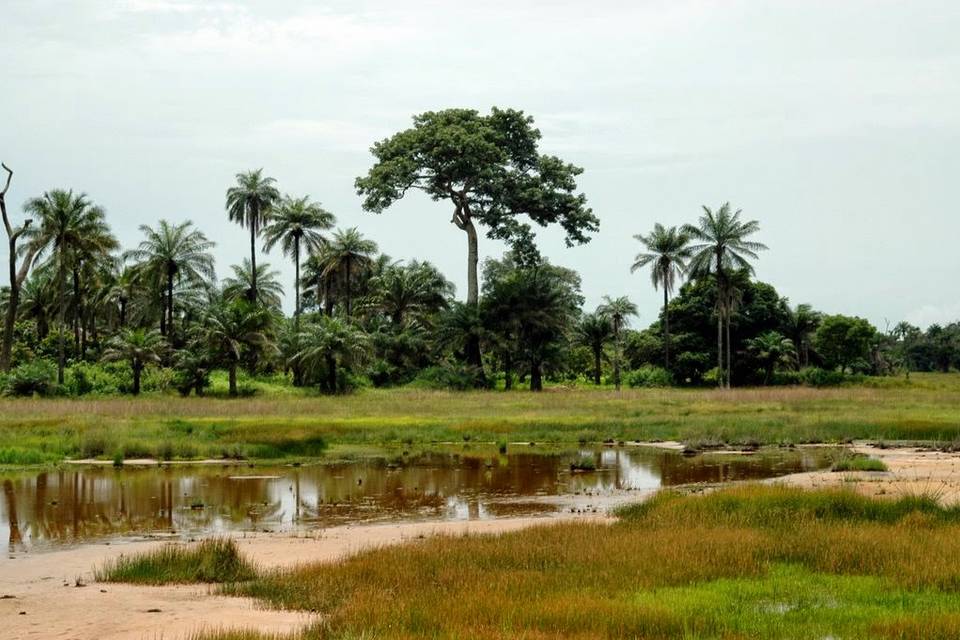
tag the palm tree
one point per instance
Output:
(667, 251)
(772, 349)
(139, 347)
(414, 290)
(269, 290)
(722, 247)
(296, 225)
(169, 254)
(594, 331)
(348, 251)
(233, 327)
(617, 312)
(329, 345)
(250, 204)
(69, 226)
(803, 322)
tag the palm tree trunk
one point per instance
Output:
(253, 258)
(720, 370)
(729, 375)
(666, 329)
(232, 372)
(507, 371)
(61, 347)
(536, 376)
(597, 369)
(76, 311)
(616, 358)
(137, 368)
(296, 284)
(123, 313)
(170, 303)
(347, 288)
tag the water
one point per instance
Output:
(81, 504)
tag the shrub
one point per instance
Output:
(786, 378)
(209, 561)
(453, 376)
(32, 378)
(649, 376)
(102, 379)
(816, 377)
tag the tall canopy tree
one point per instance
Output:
(69, 225)
(17, 274)
(169, 254)
(667, 253)
(721, 248)
(297, 225)
(250, 204)
(618, 313)
(489, 169)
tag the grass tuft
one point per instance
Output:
(858, 463)
(209, 561)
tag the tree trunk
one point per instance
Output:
(474, 357)
(729, 376)
(666, 328)
(616, 359)
(76, 311)
(347, 288)
(720, 370)
(253, 257)
(233, 378)
(123, 312)
(296, 285)
(17, 278)
(536, 377)
(137, 369)
(507, 371)
(61, 347)
(170, 303)
(332, 374)
(597, 369)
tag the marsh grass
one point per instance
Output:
(281, 425)
(751, 561)
(209, 561)
(858, 463)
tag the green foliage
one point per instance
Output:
(817, 377)
(844, 342)
(858, 463)
(458, 377)
(649, 376)
(38, 377)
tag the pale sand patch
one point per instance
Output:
(911, 471)
(114, 612)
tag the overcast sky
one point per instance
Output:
(834, 123)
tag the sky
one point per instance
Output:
(835, 123)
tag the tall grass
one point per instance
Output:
(277, 425)
(753, 561)
(214, 560)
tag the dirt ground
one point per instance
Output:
(45, 586)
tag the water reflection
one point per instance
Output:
(74, 505)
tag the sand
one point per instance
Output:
(911, 471)
(44, 584)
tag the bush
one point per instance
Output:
(786, 378)
(32, 378)
(649, 376)
(453, 376)
(103, 379)
(816, 377)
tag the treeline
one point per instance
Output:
(84, 315)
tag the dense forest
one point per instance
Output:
(84, 315)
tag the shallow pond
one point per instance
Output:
(80, 504)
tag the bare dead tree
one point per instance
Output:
(17, 276)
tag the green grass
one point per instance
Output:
(214, 560)
(858, 463)
(747, 562)
(281, 422)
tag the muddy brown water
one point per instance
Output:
(46, 509)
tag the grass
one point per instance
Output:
(748, 562)
(284, 423)
(214, 560)
(858, 463)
